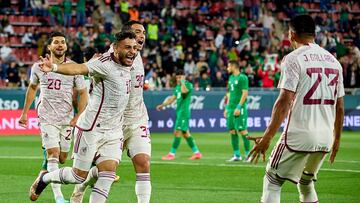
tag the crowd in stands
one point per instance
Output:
(197, 36)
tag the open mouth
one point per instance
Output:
(141, 42)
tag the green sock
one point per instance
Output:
(235, 144)
(246, 144)
(175, 144)
(44, 163)
(191, 142)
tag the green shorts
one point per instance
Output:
(182, 124)
(237, 122)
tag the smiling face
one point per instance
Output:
(140, 33)
(58, 46)
(125, 51)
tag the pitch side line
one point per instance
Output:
(193, 164)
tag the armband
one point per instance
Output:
(238, 107)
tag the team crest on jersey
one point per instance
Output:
(236, 82)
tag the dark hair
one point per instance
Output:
(120, 36)
(127, 25)
(55, 34)
(179, 72)
(303, 25)
(89, 53)
(234, 63)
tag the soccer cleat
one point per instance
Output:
(117, 179)
(77, 196)
(61, 200)
(37, 187)
(196, 155)
(168, 157)
(234, 158)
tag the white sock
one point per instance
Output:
(102, 187)
(64, 175)
(306, 189)
(271, 189)
(143, 187)
(52, 165)
(90, 180)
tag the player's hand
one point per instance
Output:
(73, 121)
(23, 121)
(334, 150)
(183, 77)
(225, 113)
(237, 112)
(259, 149)
(159, 107)
(45, 64)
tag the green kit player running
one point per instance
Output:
(182, 95)
(236, 109)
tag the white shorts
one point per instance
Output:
(290, 165)
(97, 145)
(137, 139)
(56, 136)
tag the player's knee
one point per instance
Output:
(80, 173)
(141, 163)
(232, 132)
(53, 153)
(62, 157)
(107, 165)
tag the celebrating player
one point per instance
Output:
(136, 133)
(99, 128)
(311, 96)
(236, 109)
(182, 95)
(55, 109)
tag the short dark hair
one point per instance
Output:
(55, 34)
(120, 36)
(303, 26)
(179, 72)
(89, 53)
(127, 25)
(234, 63)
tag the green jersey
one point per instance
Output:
(236, 85)
(183, 101)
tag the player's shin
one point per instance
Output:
(246, 144)
(52, 165)
(271, 188)
(235, 145)
(143, 187)
(102, 187)
(306, 189)
(64, 175)
(191, 142)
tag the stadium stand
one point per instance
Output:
(197, 36)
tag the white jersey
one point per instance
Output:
(56, 90)
(109, 94)
(316, 78)
(136, 111)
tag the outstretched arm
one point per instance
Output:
(167, 102)
(279, 112)
(29, 98)
(66, 69)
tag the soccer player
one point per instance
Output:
(182, 95)
(236, 110)
(99, 128)
(136, 133)
(55, 110)
(311, 97)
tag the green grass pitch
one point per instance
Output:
(210, 179)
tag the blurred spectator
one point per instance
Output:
(80, 13)
(7, 27)
(97, 17)
(13, 74)
(218, 81)
(108, 15)
(56, 15)
(189, 66)
(28, 37)
(267, 22)
(3, 70)
(352, 78)
(6, 53)
(152, 31)
(344, 17)
(67, 5)
(24, 80)
(134, 13)
(204, 81)
(37, 7)
(124, 10)
(154, 81)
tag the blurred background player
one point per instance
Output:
(55, 109)
(136, 132)
(236, 110)
(311, 96)
(182, 95)
(99, 128)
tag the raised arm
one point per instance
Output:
(167, 102)
(66, 69)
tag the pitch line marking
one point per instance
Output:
(191, 164)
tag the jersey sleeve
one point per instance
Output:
(96, 68)
(34, 75)
(290, 74)
(79, 82)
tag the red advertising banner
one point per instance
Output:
(9, 123)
